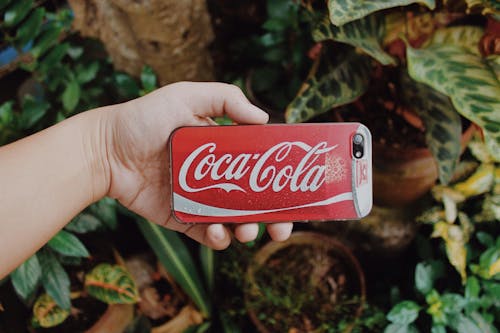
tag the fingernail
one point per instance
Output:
(217, 232)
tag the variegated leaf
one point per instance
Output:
(484, 6)
(47, 313)
(455, 245)
(481, 181)
(111, 284)
(467, 79)
(366, 33)
(344, 11)
(442, 123)
(330, 85)
(465, 36)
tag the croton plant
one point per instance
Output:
(447, 53)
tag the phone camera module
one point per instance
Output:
(358, 146)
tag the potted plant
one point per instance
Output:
(310, 282)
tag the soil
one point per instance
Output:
(302, 288)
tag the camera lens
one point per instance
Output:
(358, 139)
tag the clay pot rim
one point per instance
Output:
(304, 238)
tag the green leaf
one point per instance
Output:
(442, 122)
(452, 303)
(68, 244)
(438, 329)
(207, 265)
(485, 238)
(75, 51)
(330, 85)
(404, 313)
(468, 80)
(4, 3)
(6, 112)
(175, 257)
(203, 327)
(53, 57)
(472, 288)
(344, 11)
(86, 73)
(84, 223)
(424, 279)
(483, 325)
(47, 313)
(33, 111)
(467, 37)
(105, 210)
(366, 33)
(400, 328)
(111, 285)
(26, 277)
(31, 27)
(467, 325)
(43, 42)
(55, 280)
(126, 86)
(71, 95)
(148, 79)
(16, 12)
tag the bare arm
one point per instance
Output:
(119, 151)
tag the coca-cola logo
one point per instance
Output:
(262, 171)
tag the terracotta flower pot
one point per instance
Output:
(401, 176)
(321, 245)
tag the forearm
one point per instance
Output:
(48, 178)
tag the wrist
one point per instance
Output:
(96, 139)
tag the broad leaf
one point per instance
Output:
(71, 95)
(466, 36)
(207, 265)
(330, 85)
(344, 11)
(53, 57)
(68, 244)
(84, 223)
(45, 40)
(31, 27)
(424, 278)
(442, 123)
(111, 285)
(472, 288)
(86, 73)
(480, 182)
(26, 277)
(400, 328)
(33, 111)
(483, 325)
(4, 3)
(366, 33)
(55, 280)
(105, 210)
(16, 12)
(148, 79)
(467, 79)
(404, 313)
(175, 257)
(452, 303)
(126, 86)
(438, 329)
(47, 313)
(455, 245)
(467, 325)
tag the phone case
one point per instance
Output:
(271, 173)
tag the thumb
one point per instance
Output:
(214, 99)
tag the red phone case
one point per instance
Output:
(270, 173)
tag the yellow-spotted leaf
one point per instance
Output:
(366, 33)
(111, 284)
(454, 239)
(494, 268)
(442, 123)
(330, 85)
(345, 11)
(47, 313)
(481, 181)
(467, 79)
(465, 36)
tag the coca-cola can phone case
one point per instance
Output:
(271, 173)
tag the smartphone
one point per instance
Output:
(271, 173)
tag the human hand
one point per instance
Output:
(135, 139)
